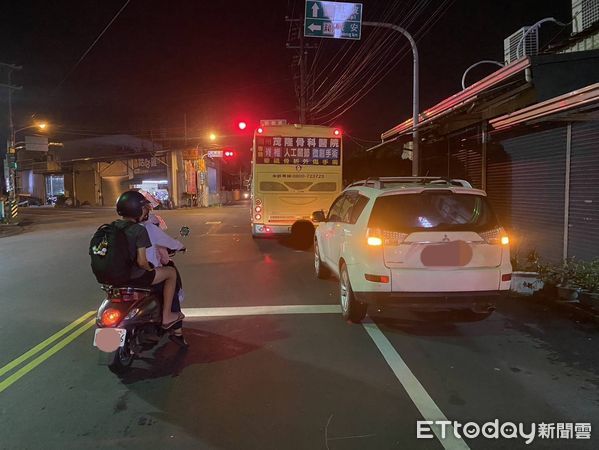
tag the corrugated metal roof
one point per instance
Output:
(572, 100)
(462, 98)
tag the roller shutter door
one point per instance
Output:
(583, 227)
(526, 185)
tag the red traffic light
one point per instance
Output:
(337, 132)
(229, 154)
(242, 125)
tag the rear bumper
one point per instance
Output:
(475, 300)
(259, 229)
(266, 230)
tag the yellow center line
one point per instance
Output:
(44, 356)
(25, 356)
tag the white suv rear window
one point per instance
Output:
(432, 211)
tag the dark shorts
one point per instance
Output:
(144, 281)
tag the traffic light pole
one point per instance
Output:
(415, 98)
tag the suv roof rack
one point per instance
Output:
(453, 182)
(379, 182)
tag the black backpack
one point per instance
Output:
(110, 258)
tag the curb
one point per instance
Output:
(10, 229)
(573, 307)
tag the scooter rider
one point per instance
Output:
(130, 206)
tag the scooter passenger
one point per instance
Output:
(130, 206)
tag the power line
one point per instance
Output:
(90, 47)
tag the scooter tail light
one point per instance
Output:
(111, 317)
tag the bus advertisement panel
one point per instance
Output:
(296, 170)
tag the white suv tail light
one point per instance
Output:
(495, 236)
(376, 237)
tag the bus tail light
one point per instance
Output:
(258, 208)
(258, 216)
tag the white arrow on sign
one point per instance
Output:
(313, 27)
(315, 10)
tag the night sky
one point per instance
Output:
(221, 61)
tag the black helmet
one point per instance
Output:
(130, 204)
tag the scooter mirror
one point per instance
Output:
(184, 231)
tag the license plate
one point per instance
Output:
(110, 336)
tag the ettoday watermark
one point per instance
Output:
(426, 429)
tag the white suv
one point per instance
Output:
(418, 242)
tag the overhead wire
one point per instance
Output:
(375, 78)
(89, 49)
(366, 60)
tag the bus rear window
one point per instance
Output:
(272, 186)
(324, 187)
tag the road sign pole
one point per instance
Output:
(415, 99)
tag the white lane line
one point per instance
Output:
(425, 404)
(261, 310)
(213, 222)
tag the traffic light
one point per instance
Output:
(228, 155)
(242, 125)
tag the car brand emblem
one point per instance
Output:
(445, 239)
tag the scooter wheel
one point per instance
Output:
(122, 359)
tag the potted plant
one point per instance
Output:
(525, 273)
(588, 280)
(550, 276)
(568, 287)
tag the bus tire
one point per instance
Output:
(302, 234)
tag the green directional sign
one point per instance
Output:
(334, 20)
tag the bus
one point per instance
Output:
(296, 170)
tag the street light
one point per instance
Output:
(212, 137)
(415, 94)
(43, 126)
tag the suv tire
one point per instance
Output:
(351, 309)
(320, 269)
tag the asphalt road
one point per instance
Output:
(290, 374)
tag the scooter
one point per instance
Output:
(129, 322)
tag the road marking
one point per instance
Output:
(25, 356)
(261, 310)
(44, 356)
(425, 404)
(215, 222)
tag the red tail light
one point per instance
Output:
(376, 278)
(111, 317)
(506, 277)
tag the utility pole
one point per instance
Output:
(297, 42)
(11, 160)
